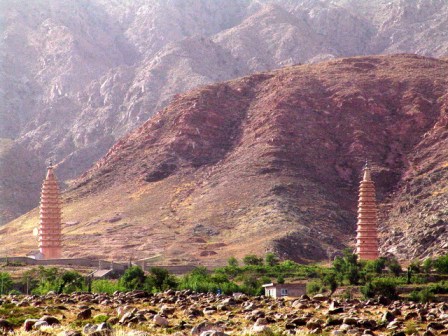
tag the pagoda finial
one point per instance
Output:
(367, 176)
(50, 164)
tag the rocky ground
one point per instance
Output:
(188, 313)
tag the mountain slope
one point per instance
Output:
(270, 161)
(80, 75)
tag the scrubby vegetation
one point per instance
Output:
(382, 277)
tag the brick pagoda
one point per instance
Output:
(367, 234)
(50, 237)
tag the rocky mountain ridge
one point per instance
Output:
(270, 162)
(79, 75)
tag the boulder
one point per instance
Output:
(84, 314)
(160, 321)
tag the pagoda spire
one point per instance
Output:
(50, 237)
(367, 231)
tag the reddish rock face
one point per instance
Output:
(367, 237)
(50, 218)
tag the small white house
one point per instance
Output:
(290, 289)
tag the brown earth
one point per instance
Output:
(270, 162)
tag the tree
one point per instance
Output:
(159, 279)
(330, 280)
(394, 266)
(252, 259)
(427, 265)
(375, 266)
(70, 281)
(347, 267)
(133, 278)
(5, 282)
(271, 259)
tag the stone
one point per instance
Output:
(71, 333)
(39, 324)
(260, 329)
(204, 326)
(436, 326)
(160, 321)
(88, 329)
(84, 314)
(314, 323)
(350, 321)
(213, 333)
(6, 325)
(50, 320)
(299, 321)
(28, 324)
(387, 317)
(320, 297)
(410, 316)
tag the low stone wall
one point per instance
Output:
(98, 264)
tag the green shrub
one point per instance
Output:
(439, 287)
(314, 287)
(382, 286)
(423, 296)
(106, 286)
(441, 264)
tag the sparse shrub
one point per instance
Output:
(252, 259)
(411, 328)
(232, 262)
